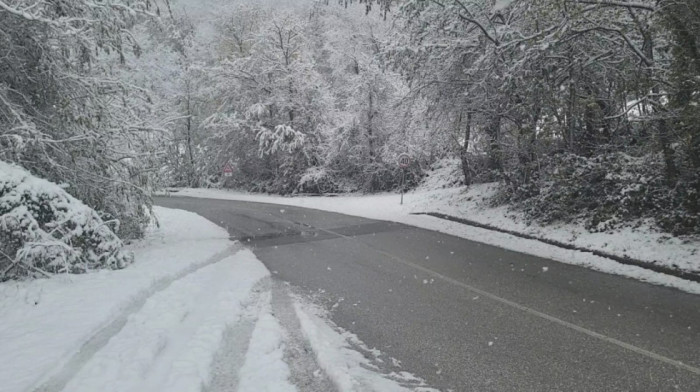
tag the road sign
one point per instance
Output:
(404, 160)
(228, 170)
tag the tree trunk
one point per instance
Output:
(495, 154)
(665, 145)
(190, 172)
(464, 149)
(370, 130)
(661, 128)
(571, 115)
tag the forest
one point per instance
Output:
(582, 110)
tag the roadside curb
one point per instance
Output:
(620, 259)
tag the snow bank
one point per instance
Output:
(645, 245)
(44, 229)
(45, 323)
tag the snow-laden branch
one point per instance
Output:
(470, 19)
(638, 52)
(609, 3)
(25, 15)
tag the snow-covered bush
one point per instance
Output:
(318, 180)
(44, 230)
(73, 107)
(607, 191)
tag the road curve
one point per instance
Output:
(471, 317)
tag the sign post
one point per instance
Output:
(228, 170)
(404, 162)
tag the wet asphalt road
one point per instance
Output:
(472, 317)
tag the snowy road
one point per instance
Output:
(466, 316)
(195, 312)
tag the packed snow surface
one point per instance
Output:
(264, 369)
(171, 341)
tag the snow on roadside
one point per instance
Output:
(642, 243)
(43, 323)
(172, 340)
(347, 368)
(440, 192)
(264, 369)
(452, 201)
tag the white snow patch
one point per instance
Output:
(347, 368)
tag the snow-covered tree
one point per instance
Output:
(534, 79)
(273, 94)
(65, 112)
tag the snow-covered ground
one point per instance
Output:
(44, 323)
(642, 244)
(161, 324)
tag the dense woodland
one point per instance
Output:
(582, 109)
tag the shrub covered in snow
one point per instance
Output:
(609, 190)
(318, 180)
(44, 230)
(344, 177)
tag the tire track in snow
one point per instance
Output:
(271, 298)
(229, 358)
(307, 375)
(332, 360)
(234, 345)
(57, 380)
